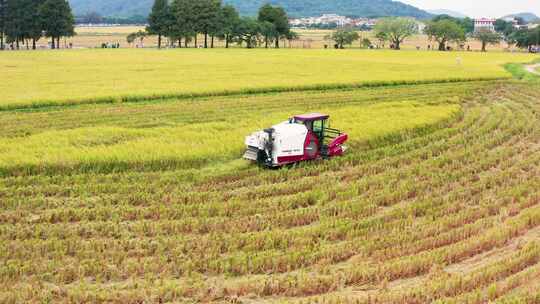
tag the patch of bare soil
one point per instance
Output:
(494, 255)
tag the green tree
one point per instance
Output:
(184, 21)
(137, 35)
(466, 23)
(501, 25)
(228, 23)
(444, 17)
(22, 21)
(526, 38)
(268, 30)
(131, 38)
(366, 43)
(292, 36)
(57, 19)
(14, 30)
(343, 37)
(444, 31)
(396, 29)
(248, 31)
(33, 24)
(382, 38)
(3, 12)
(159, 20)
(215, 27)
(276, 16)
(487, 37)
(206, 17)
(521, 38)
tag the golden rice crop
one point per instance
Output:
(69, 76)
(206, 131)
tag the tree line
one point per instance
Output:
(445, 29)
(24, 22)
(182, 21)
(442, 30)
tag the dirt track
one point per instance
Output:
(533, 68)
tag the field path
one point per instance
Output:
(533, 68)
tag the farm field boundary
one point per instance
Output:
(527, 72)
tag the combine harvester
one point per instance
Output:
(301, 138)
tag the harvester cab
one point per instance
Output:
(301, 138)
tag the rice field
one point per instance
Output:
(34, 79)
(437, 199)
(190, 133)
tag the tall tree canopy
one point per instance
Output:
(57, 20)
(3, 12)
(396, 30)
(526, 38)
(230, 20)
(15, 21)
(25, 21)
(444, 31)
(343, 37)
(466, 23)
(207, 17)
(187, 19)
(183, 12)
(248, 31)
(159, 20)
(487, 37)
(279, 21)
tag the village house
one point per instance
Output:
(328, 19)
(483, 24)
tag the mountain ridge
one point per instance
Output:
(528, 17)
(295, 8)
(450, 13)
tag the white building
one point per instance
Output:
(325, 19)
(483, 24)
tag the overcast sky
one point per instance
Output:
(480, 8)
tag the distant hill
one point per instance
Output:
(528, 17)
(110, 8)
(295, 8)
(447, 12)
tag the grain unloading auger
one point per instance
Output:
(301, 138)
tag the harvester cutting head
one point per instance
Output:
(301, 138)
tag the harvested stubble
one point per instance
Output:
(441, 205)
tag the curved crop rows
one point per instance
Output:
(444, 210)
